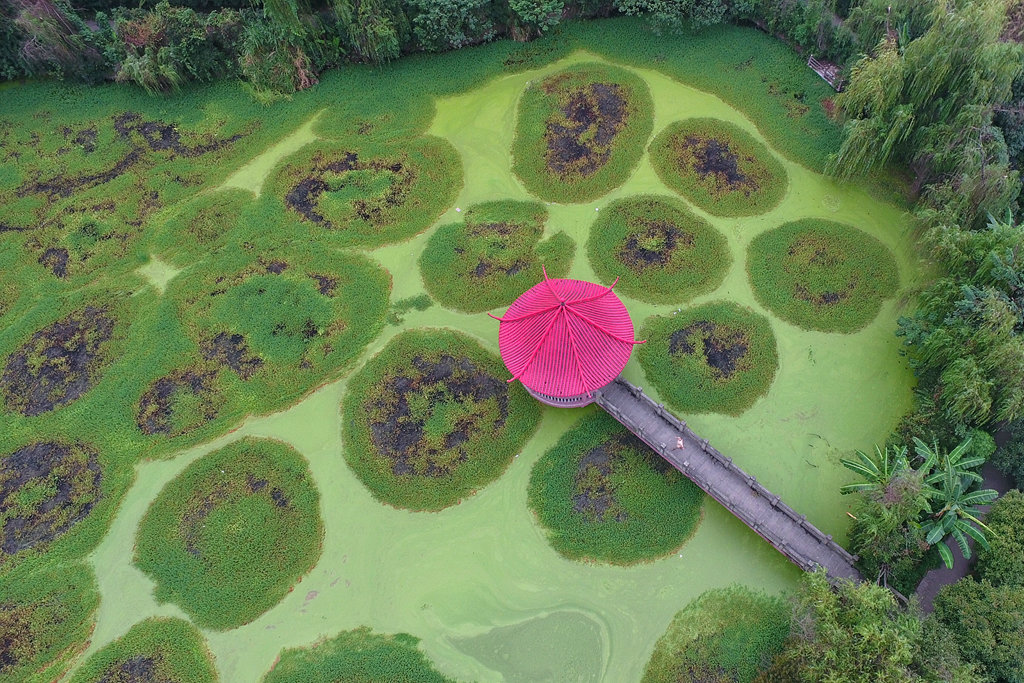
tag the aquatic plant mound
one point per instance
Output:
(46, 488)
(719, 167)
(660, 251)
(493, 256)
(581, 131)
(358, 655)
(822, 275)
(370, 193)
(228, 537)
(261, 328)
(728, 634)
(191, 230)
(603, 495)
(718, 357)
(158, 650)
(45, 621)
(430, 420)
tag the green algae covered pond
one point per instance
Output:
(477, 582)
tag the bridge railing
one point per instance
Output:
(726, 462)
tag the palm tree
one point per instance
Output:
(950, 485)
(878, 470)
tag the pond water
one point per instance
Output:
(477, 582)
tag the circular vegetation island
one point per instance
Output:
(228, 537)
(156, 650)
(580, 132)
(359, 655)
(719, 167)
(493, 256)
(660, 251)
(729, 634)
(718, 357)
(431, 419)
(821, 275)
(46, 487)
(371, 193)
(603, 495)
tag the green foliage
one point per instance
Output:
(856, 634)
(537, 16)
(581, 131)
(1009, 459)
(170, 650)
(821, 275)
(191, 230)
(659, 250)
(372, 28)
(450, 24)
(493, 256)
(719, 167)
(228, 537)
(964, 339)
(603, 495)
(987, 623)
(1002, 563)
(358, 655)
(370, 193)
(430, 420)
(718, 357)
(728, 634)
(676, 15)
(46, 617)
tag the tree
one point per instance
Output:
(1002, 563)
(987, 622)
(536, 16)
(856, 633)
(949, 485)
(878, 471)
(450, 24)
(676, 15)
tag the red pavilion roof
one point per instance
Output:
(566, 337)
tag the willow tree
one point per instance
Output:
(930, 104)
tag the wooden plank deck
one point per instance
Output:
(741, 494)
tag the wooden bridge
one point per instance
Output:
(741, 494)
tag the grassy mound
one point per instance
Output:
(228, 537)
(493, 256)
(580, 132)
(718, 357)
(719, 167)
(193, 229)
(603, 495)
(45, 621)
(258, 330)
(728, 634)
(822, 275)
(370, 192)
(156, 650)
(431, 419)
(359, 655)
(659, 250)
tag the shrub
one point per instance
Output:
(718, 357)
(987, 623)
(228, 537)
(1002, 564)
(822, 275)
(430, 420)
(719, 167)
(603, 495)
(493, 256)
(728, 634)
(157, 649)
(580, 132)
(658, 249)
(359, 655)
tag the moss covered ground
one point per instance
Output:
(822, 275)
(149, 246)
(719, 167)
(159, 649)
(602, 495)
(231, 535)
(659, 250)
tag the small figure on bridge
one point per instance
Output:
(679, 443)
